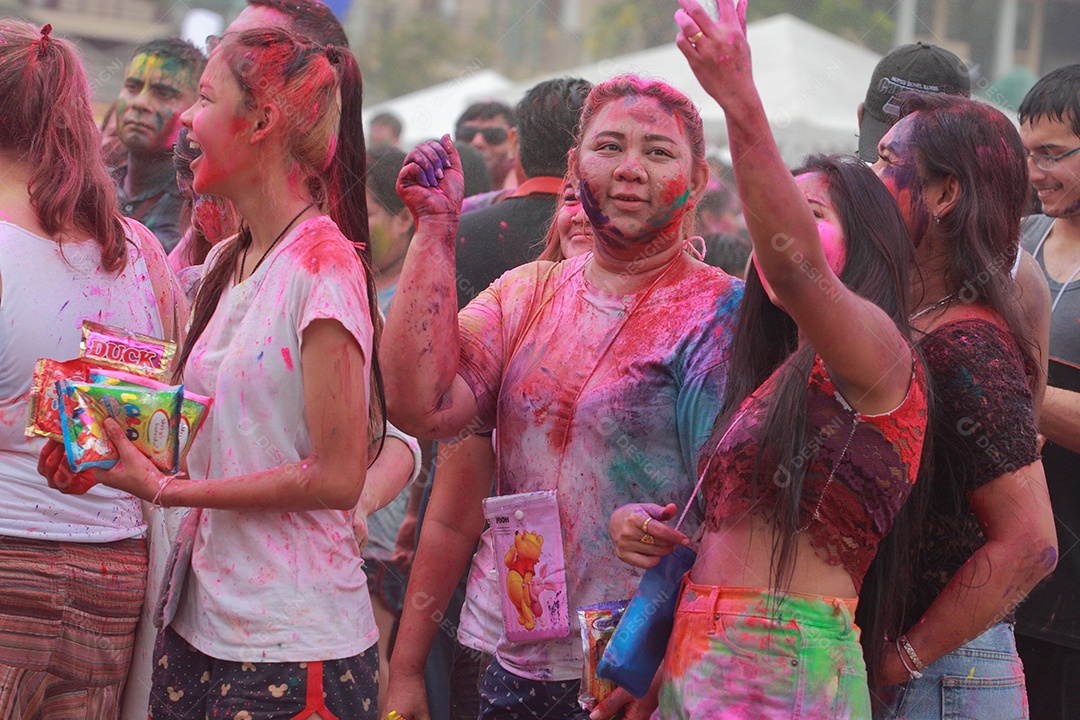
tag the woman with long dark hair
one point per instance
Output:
(819, 438)
(73, 566)
(980, 532)
(274, 614)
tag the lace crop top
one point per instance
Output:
(862, 468)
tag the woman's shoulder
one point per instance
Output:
(973, 333)
(319, 246)
(974, 354)
(539, 273)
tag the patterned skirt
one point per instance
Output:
(68, 613)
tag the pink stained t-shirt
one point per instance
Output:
(48, 291)
(274, 586)
(528, 344)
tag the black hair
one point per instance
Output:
(766, 339)
(488, 110)
(175, 48)
(389, 120)
(475, 168)
(310, 18)
(1055, 96)
(976, 144)
(547, 122)
(979, 147)
(383, 166)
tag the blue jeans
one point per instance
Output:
(983, 679)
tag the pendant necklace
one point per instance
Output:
(243, 258)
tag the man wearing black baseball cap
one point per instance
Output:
(919, 67)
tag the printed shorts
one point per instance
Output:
(749, 654)
(506, 696)
(191, 685)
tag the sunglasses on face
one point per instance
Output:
(491, 135)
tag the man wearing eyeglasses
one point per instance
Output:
(1048, 623)
(491, 128)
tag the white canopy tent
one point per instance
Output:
(811, 83)
(430, 112)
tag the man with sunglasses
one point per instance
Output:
(1048, 623)
(509, 232)
(491, 127)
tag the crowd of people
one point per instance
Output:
(848, 391)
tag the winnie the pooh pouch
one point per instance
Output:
(527, 537)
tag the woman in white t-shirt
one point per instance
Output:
(274, 618)
(73, 566)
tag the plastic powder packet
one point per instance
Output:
(131, 352)
(150, 418)
(192, 415)
(43, 420)
(192, 411)
(597, 624)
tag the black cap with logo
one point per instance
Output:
(919, 67)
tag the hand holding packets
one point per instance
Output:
(118, 377)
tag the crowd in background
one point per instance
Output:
(850, 388)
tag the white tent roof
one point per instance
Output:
(430, 112)
(811, 83)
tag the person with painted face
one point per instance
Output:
(1048, 623)
(819, 438)
(270, 611)
(73, 565)
(159, 84)
(978, 533)
(604, 371)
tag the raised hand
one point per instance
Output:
(718, 52)
(431, 182)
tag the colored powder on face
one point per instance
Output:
(599, 220)
(287, 357)
(672, 206)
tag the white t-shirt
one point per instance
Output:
(47, 294)
(274, 586)
(481, 623)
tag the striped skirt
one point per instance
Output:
(68, 613)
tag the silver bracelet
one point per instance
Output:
(913, 674)
(919, 664)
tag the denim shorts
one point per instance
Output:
(983, 679)
(746, 653)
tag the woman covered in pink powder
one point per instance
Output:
(73, 566)
(602, 374)
(274, 617)
(820, 436)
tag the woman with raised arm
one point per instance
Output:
(73, 566)
(274, 615)
(604, 372)
(940, 633)
(819, 439)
